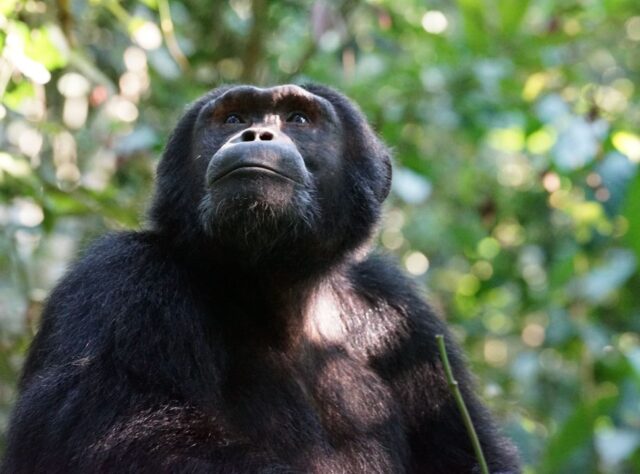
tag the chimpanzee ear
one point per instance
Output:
(385, 181)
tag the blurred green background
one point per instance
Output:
(516, 201)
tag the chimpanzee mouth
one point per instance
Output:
(251, 169)
(259, 161)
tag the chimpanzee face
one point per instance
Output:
(267, 156)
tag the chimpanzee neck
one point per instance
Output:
(298, 265)
(261, 307)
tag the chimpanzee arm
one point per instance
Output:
(119, 375)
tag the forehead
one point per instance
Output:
(288, 96)
(270, 94)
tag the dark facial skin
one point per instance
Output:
(267, 126)
(268, 154)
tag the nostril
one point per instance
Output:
(248, 136)
(266, 136)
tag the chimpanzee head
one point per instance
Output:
(272, 173)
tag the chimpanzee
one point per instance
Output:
(249, 329)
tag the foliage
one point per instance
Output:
(516, 197)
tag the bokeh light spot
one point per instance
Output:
(435, 22)
(416, 263)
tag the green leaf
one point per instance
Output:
(573, 435)
(474, 22)
(511, 14)
(632, 215)
(561, 271)
(43, 49)
(18, 93)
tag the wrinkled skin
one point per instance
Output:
(249, 329)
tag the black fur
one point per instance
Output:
(281, 347)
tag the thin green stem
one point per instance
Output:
(462, 407)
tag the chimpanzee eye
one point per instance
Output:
(233, 118)
(298, 117)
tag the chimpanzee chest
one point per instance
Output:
(333, 414)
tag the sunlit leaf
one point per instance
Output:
(41, 47)
(8, 7)
(15, 97)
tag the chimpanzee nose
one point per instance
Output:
(256, 134)
(259, 136)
